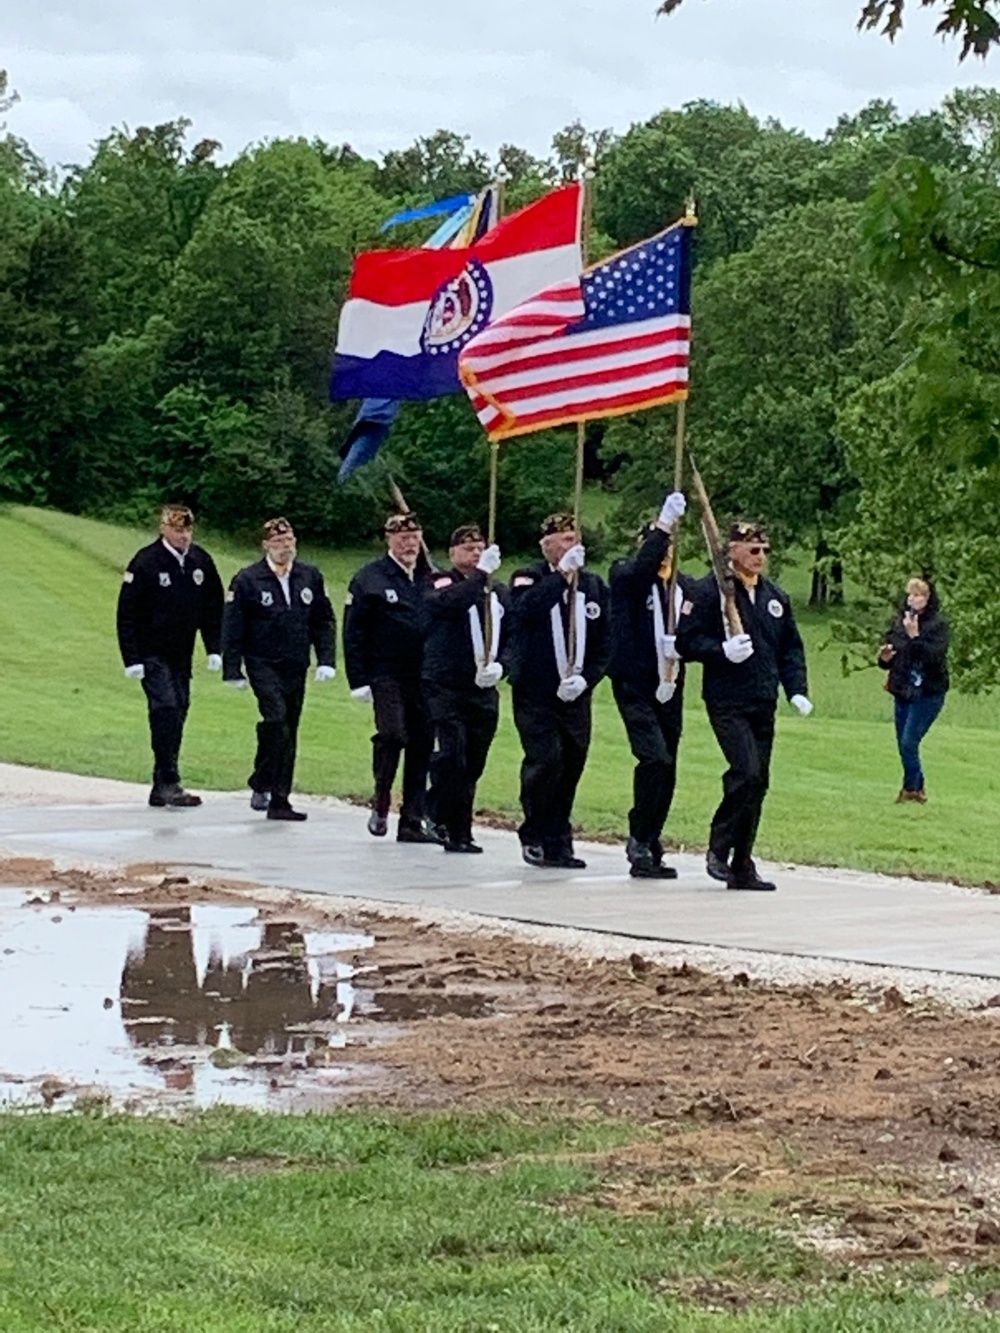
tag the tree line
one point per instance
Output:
(166, 323)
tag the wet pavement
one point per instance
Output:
(846, 915)
(187, 1004)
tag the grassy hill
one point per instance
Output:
(64, 704)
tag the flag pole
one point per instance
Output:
(586, 179)
(500, 180)
(672, 668)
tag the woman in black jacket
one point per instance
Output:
(914, 653)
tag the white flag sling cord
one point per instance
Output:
(476, 630)
(659, 628)
(559, 638)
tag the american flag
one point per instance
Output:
(617, 343)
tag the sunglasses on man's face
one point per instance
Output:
(758, 550)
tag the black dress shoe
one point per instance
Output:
(747, 879)
(465, 845)
(533, 855)
(566, 861)
(717, 867)
(260, 800)
(656, 870)
(286, 813)
(378, 825)
(174, 796)
(416, 833)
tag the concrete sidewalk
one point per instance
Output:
(848, 915)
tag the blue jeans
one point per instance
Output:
(913, 721)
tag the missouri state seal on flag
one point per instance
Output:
(409, 313)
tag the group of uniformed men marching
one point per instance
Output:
(427, 649)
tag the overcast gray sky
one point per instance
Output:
(378, 73)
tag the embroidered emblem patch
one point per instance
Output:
(775, 608)
(266, 599)
(198, 577)
(164, 580)
(442, 583)
(349, 599)
(592, 610)
(391, 595)
(128, 577)
(307, 595)
(230, 596)
(523, 582)
(649, 602)
(686, 607)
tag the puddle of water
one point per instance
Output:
(196, 1004)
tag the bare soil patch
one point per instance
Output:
(865, 1122)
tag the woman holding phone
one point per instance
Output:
(914, 653)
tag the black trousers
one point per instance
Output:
(401, 724)
(168, 696)
(745, 736)
(555, 737)
(280, 688)
(464, 722)
(654, 733)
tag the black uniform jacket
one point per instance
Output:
(534, 591)
(778, 658)
(260, 623)
(384, 623)
(920, 667)
(449, 657)
(633, 638)
(163, 604)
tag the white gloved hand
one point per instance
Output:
(214, 662)
(363, 694)
(673, 509)
(571, 688)
(237, 683)
(738, 648)
(665, 691)
(489, 561)
(325, 673)
(668, 647)
(800, 702)
(136, 671)
(575, 558)
(489, 675)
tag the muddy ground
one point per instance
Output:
(866, 1121)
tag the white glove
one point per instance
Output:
(214, 662)
(571, 688)
(575, 558)
(673, 509)
(136, 671)
(363, 694)
(738, 648)
(489, 675)
(237, 683)
(668, 647)
(665, 691)
(489, 561)
(800, 702)
(325, 673)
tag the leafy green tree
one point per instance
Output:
(435, 166)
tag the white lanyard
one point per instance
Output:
(476, 630)
(660, 629)
(559, 638)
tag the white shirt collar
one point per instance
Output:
(178, 555)
(408, 572)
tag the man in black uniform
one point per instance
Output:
(276, 610)
(170, 591)
(740, 680)
(648, 681)
(383, 653)
(559, 649)
(463, 644)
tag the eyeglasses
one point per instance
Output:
(758, 550)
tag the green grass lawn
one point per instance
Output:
(232, 1222)
(64, 704)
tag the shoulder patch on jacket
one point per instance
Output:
(230, 596)
(775, 608)
(522, 581)
(349, 599)
(128, 577)
(687, 606)
(443, 583)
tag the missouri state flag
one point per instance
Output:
(410, 312)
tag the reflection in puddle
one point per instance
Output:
(203, 1004)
